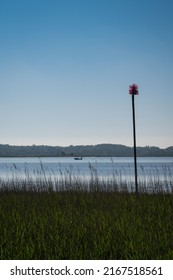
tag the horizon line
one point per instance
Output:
(31, 145)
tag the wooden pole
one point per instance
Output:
(134, 139)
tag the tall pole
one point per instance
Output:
(134, 139)
(133, 90)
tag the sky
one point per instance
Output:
(66, 67)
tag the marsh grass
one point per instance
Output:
(66, 218)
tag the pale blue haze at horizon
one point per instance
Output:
(66, 67)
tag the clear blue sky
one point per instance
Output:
(66, 65)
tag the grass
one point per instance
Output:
(69, 220)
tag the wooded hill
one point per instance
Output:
(100, 150)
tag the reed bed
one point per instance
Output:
(119, 179)
(68, 218)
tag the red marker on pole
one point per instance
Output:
(133, 90)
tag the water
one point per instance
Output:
(121, 169)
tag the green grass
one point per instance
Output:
(47, 224)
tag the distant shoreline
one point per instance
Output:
(100, 150)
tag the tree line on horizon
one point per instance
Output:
(100, 150)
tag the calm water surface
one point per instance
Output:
(103, 167)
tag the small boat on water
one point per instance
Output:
(78, 158)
